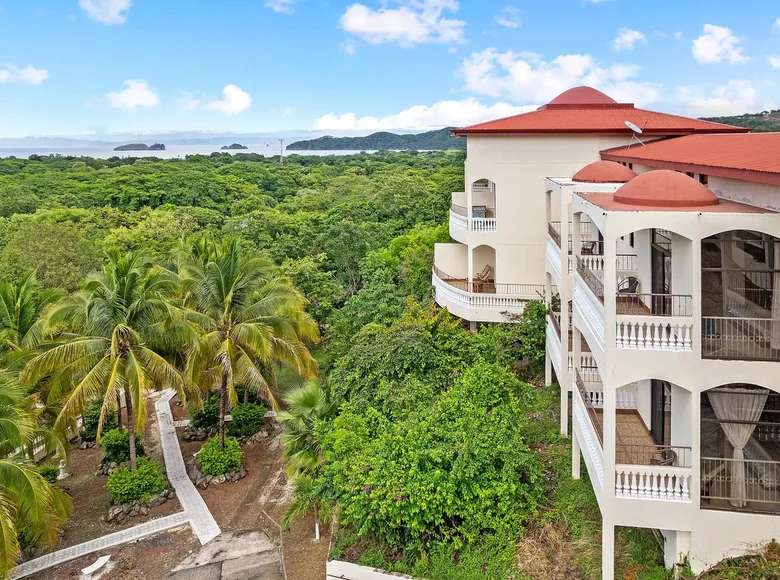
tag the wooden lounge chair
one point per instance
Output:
(484, 275)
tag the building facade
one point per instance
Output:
(662, 263)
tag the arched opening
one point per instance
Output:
(740, 448)
(740, 278)
(483, 199)
(484, 270)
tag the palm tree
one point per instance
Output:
(246, 319)
(29, 505)
(108, 341)
(306, 499)
(306, 406)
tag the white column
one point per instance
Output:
(548, 302)
(575, 456)
(607, 550)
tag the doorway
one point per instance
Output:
(658, 391)
(661, 274)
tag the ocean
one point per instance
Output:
(171, 152)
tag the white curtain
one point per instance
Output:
(744, 405)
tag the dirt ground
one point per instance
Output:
(236, 507)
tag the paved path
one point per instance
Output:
(203, 523)
(195, 511)
(138, 532)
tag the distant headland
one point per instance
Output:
(429, 141)
(234, 146)
(140, 147)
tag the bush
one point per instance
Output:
(208, 416)
(127, 485)
(91, 418)
(116, 445)
(215, 462)
(49, 473)
(246, 419)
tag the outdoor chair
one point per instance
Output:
(628, 285)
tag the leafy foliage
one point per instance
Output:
(49, 473)
(116, 445)
(127, 485)
(91, 420)
(246, 419)
(214, 461)
(208, 416)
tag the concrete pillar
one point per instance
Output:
(548, 369)
(607, 550)
(575, 456)
(472, 326)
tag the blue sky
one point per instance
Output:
(78, 67)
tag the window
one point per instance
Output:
(631, 239)
(703, 179)
(689, 173)
(631, 166)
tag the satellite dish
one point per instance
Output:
(633, 127)
(635, 130)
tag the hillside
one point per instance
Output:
(428, 141)
(763, 122)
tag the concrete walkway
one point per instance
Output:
(195, 511)
(203, 523)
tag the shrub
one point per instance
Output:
(215, 462)
(208, 416)
(246, 419)
(49, 473)
(91, 418)
(116, 445)
(128, 485)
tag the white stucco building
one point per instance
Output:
(663, 263)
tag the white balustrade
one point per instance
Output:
(477, 300)
(589, 439)
(483, 224)
(594, 263)
(591, 311)
(643, 334)
(481, 189)
(554, 344)
(459, 221)
(653, 482)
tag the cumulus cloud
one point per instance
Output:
(106, 11)
(233, 101)
(733, 98)
(509, 17)
(411, 22)
(283, 6)
(137, 93)
(774, 61)
(28, 75)
(526, 77)
(718, 44)
(418, 117)
(627, 38)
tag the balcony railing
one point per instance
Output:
(556, 323)
(760, 479)
(591, 279)
(554, 229)
(528, 291)
(595, 418)
(653, 482)
(642, 454)
(654, 304)
(643, 335)
(740, 338)
(625, 262)
(460, 210)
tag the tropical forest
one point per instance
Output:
(286, 313)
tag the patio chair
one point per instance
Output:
(478, 211)
(484, 275)
(628, 285)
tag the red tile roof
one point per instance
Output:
(664, 188)
(608, 202)
(604, 172)
(749, 157)
(586, 110)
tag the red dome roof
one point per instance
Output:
(664, 188)
(582, 96)
(604, 172)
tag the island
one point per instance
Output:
(234, 146)
(428, 141)
(140, 147)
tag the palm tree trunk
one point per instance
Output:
(223, 393)
(131, 428)
(118, 412)
(246, 395)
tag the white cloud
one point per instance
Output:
(776, 25)
(596, 1)
(509, 17)
(718, 44)
(774, 61)
(233, 101)
(28, 75)
(286, 113)
(419, 117)
(736, 97)
(627, 38)
(106, 11)
(284, 6)
(678, 35)
(349, 47)
(525, 77)
(412, 22)
(136, 93)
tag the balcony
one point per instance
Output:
(479, 218)
(483, 301)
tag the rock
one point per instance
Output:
(143, 510)
(156, 500)
(263, 433)
(164, 493)
(113, 512)
(242, 472)
(217, 480)
(201, 483)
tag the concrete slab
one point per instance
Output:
(255, 567)
(208, 572)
